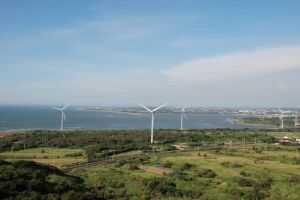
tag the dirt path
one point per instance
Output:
(181, 147)
(155, 170)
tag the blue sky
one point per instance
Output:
(201, 53)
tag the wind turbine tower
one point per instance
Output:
(296, 119)
(182, 115)
(63, 116)
(152, 116)
(281, 116)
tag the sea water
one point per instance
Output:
(44, 117)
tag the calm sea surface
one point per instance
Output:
(41, 117)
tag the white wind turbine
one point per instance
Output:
(296, 119)
(182, 114)
(63, 117)
(152, 114)
(281, 116)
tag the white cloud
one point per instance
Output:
(239, 64)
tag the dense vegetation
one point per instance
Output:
(30, 180)
(102, 143)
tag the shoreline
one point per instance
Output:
(263, 127)
(267, 126)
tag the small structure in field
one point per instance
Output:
(285, 141)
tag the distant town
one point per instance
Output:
(272, 112)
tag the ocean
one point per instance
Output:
(13, 118)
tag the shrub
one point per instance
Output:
(243, 173)
(186, 166)
(78, 154)
(168, 164)
(206, 173)
(294, 179)
(229, 164)
(163, 186)
(256, 193)
(225, 164)
(236, 165)
(3, 162)
(245, 182)
(133, 166)
(264, 183)
(181, 175)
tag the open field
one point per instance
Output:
(194, 164)
(208, 174)
(52, 156)
(42, 153)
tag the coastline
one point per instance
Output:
(238, 122)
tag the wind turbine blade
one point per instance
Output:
(160, 107)
(184, 107)
(65, 106)
(185, 116)
(280, 110)
(56, 108)
(144, 107)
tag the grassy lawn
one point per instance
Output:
(41, 153)
(52, 156)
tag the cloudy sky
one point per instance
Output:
(110, 52)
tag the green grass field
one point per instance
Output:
(52, 156)
(213, 164)
(224, 174)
